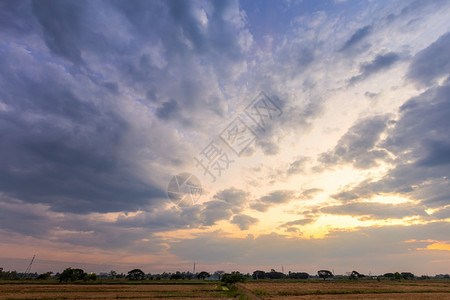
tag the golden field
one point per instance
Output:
(110, 291)
(345, 289)
(283, 289)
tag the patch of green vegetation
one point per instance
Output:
(260, 292)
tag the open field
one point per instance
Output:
(111, 291)
(300, 289)
(350, 289)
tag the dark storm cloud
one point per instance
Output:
(379, 63)
(182, 41)
(62, 23)
(420, 141)
(69, 68)
(60, 149)
(168, 110)
(432, 62)
(16, 16)
(149, 36)
(359, 35)
(359, 145)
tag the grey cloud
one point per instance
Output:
(370, 94)
(358, 146)
(269, 148)
(156, 33)
(243, 221)
(62, 25)
(310, 193)
(16, 16)
(67, 136)
(168, 110)
(60, 149)
(162, 219)
(235, 197)
(39, 222)
(294, 118)
(420, 142)
(359, 35)
(382, 248)
(298, 222)
(278, 197)
(432, 62)
(297, 166)
(259, 206)
(216, 211)
(295, 59)
(224, 205)
(414, 11)
(273, 198)
(379, 63)
(376, 210)
(442, 213)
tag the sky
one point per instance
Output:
(299, 135)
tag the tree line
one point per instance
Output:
(76, 274)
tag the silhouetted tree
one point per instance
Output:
(202, 275)
(355, 275)
(112, 274)
(298, 275)
(258, 274)
(8, 275)
(176, 276)
(233, 278)
(407, 275)
(70, 274)
(275, 275)
(45, 276)
(136, 274)
(324, 274)
(219, 274)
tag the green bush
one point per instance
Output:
(233, 278)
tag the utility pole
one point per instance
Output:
(194, 269)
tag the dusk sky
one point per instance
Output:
(318, 130)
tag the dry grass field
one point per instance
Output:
(350, 290)
(308, 289)
(115, 291)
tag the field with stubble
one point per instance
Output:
(340, 289)
(111, 291)
(270, 289)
